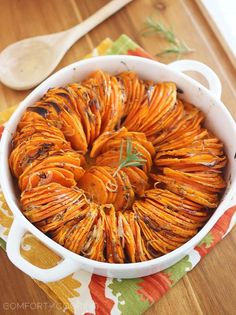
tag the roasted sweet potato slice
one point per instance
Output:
(59, 235)
(37, 127)
(188, 208)
(101, 140)
(115, 145)
(74, 211)
(94, 187)
(114, 250)
(126, 236)
(49, 175)
(159, 220)
(44, 201)
(88, 108)
(111, 183)
(138, 179)
(95, 243)
(138, 111)
(161, 102)
(26, 152)
(105, 173)
(67, 162)
(185, 130)
(110, 94)
(157, 244)
(205, 182)
(168, 121)
(185, 190)
(64, 95)
(62, 116)
(72, 128)
(75, 240)
(141, 253)
(133, 90)
(210, 161)
(29, 118)
(125, 193)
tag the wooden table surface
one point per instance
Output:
(211, 287)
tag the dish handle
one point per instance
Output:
(64, 268)
(214, 84)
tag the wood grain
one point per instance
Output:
(211, 287)
(19, 293)
(210, 18)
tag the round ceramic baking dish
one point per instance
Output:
(218, 120)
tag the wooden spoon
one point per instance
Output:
(28, 62)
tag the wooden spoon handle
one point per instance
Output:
(102, 14)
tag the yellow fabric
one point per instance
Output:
(6, 114)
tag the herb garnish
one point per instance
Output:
(133, 157)
(176, 46)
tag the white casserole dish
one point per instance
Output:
(218, 120)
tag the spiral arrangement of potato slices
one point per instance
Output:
(70, 158)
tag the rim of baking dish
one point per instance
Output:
(5, 176)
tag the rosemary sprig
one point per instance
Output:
(152, 26)
(176, 46)
(132, 158)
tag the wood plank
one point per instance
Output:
(20, 295)
(197, 35)
(208, 289)
(37, 18)
(214, 20)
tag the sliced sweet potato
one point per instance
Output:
(74, 211)
(26, 152)
(52, 200)
(76, 239)
(125, 193)
(94, 187)
(205, 199)
(138, 179)
(95, 243)
(126, 236)
(68, 163)
(114, 250)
